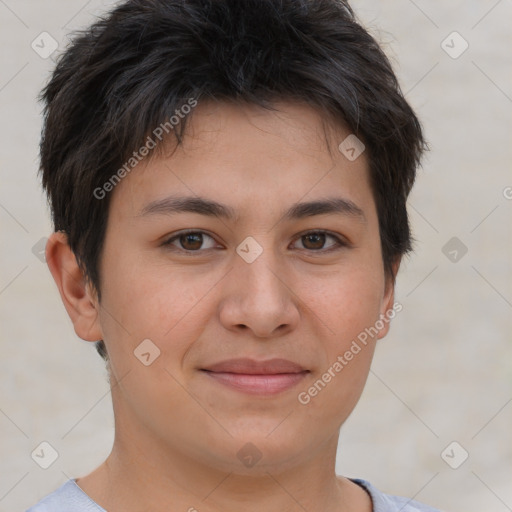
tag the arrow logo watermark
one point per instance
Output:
(454, 249)
(351, 147)
(249, 455)
(454, 45)
(44, 455)
(44, 45)
(146, 352)
(249, 250)
(454, 455)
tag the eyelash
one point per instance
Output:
(339, 242)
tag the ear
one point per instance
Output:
(388, 300)
(78, 297)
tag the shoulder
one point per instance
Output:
(387, 503)
(68, 497)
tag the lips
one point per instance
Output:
(252, 367)
(257, 377)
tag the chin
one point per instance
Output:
(258, 453)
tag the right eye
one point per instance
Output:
(190, 241)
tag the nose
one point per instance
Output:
(257, 298)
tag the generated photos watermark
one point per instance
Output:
(304, 397)
(150, 144)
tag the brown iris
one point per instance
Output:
(191, 241)
(314, 240)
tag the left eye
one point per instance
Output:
(316, 241)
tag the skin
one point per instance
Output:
(178, 431)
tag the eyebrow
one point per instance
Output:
(173, 205)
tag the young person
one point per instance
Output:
(228, 183)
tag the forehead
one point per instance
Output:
(248, 155)
(250, 129)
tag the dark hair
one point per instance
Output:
(134, 68)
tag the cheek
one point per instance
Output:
(348, 305)
(149, 305)
(160, 304)
(346, 308)
(345, 302)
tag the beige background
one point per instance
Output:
(444, 372)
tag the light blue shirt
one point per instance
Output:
(69, 497)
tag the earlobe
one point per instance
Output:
(80, 302)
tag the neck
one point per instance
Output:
(130, 481)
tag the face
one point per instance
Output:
(250, 259)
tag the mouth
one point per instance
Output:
(257, 377)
